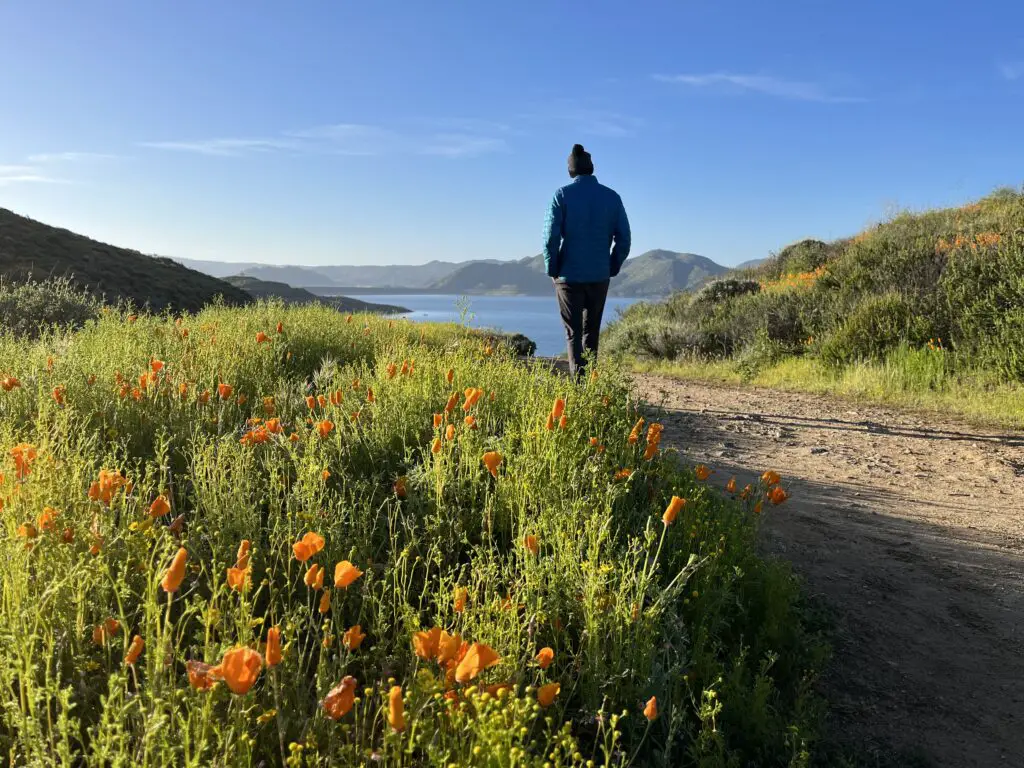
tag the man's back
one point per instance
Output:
(584, 220)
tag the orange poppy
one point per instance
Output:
(391, 369)
(280, 328)
(651, 709)
(531, 543)
(345, 574)
(702, 472)
(239, 668)
(261, 337)
(314, 578)
(23, 454)
(340, 698)
(58, 395)
(323, 428)
(470, 421)
(461, 596)
(544, 657)
(224, 391)
(273, 647)
(492, 460)
(47, 521)
(634, 433)
(472, 396)
(396, 709)
(174, 575)
(176, 525)
(156, 365)
(204, 397)
(134, 650)
(777, 495)
(563, 422)
(450, 376)
(435, 447)
(438, 420)
(160, 507)
(478, 658)
(325, 475)
(310, 402)
(448, 647)
(757, 507)
(348, 319)
(623, 473)
(325, 602)
(238, 578)
(550, 423)
(452, 402)
(771, 478)
(274, 426)
(730, 487)
(425, 643)
(674, 507)
(557, 409)
(68, 535)
(307, 546)
(449, 433)
(401, 487)
(353, 637)
(650, 451)
(7, 383)
(370, 397)
(546, 694)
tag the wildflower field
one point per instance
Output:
(286, 536)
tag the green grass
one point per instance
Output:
(901, 380)
(631, 607)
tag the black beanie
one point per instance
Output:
(580, 163)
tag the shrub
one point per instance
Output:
(876, 326)
(728, 288)
(30, 307)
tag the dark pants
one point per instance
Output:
(581, 306)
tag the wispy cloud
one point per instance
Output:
(585, 121)
(26, 174)
(222, 147)
(69, 157)
(1012, 70)
(765, 84)
(356, 139)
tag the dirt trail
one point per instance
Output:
(911, 531)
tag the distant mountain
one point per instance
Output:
(263, 289)
(654, 273)
(31, 247)
(752, 264)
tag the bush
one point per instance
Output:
(878, 325)
(728, 288)
(30, 307)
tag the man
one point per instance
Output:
(586, 241)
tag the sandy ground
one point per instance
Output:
(910, 530)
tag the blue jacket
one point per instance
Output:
(586, 236)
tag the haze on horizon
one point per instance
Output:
(395, 133)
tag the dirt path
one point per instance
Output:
(911, 531)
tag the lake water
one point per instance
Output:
(533, 316)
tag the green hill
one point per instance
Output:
(29, 247)
(654, 273)
(931, 295)
(265, 289)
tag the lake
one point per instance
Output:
(533, 316)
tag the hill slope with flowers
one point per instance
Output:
(932, 300)
(276, 535)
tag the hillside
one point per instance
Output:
(654, 273)
(31, 247)
(933, 297)
(261, 289)
(357, 276)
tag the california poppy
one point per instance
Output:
(450, 376)
(478, 658)
(48, 519)
(557, 409)
(550, 423)
(673, 509)
(544, 657)
(777, 495)
(274, 427)
(323, 428)
(307, 546)
(199, 675)
(449, 433)
(7, 383)
(531, 543)
(470, 421)
(461, 596)
(160, 506)
(134, 650)
(730, 487)
(176, 573)
(239, 668)
(401, 487)
(438, 420)
(771, 478)
(391, 369)
(204, 397)
(261, 337)
(273, 647)
(563, 421)
(546, 694)
(325, 602)
(340, 698)
(310, 402)
(435, 447)
(425, 644)
(634, 433)
(58, 395)
(353, 637)
(345, 573)
(370, 397)
(325, 475)
(472, 396)
(702, 472)
(156, 365)
(23, 454)
(452, 402)
(224, 391)
(238, 578)
(396, 710)
(280, 328)
(623, 473)
(448, 647)
(651, 709)
(492, 460)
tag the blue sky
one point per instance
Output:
(327, 132)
